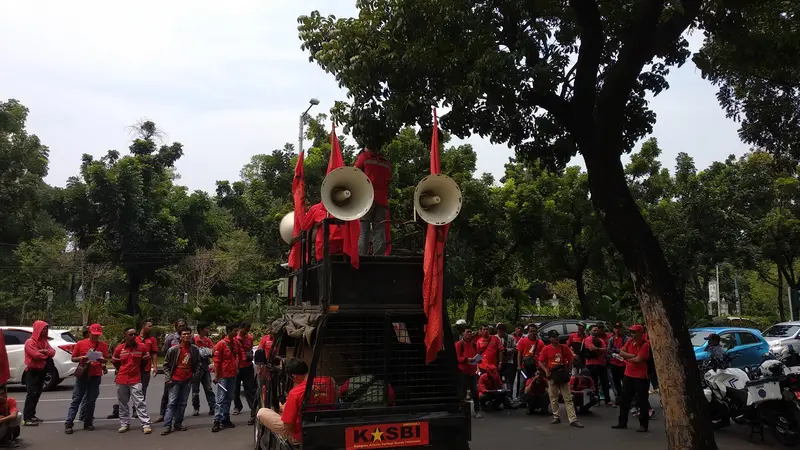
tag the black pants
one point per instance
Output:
(164, 398)
(600, 378)
(8, 433)
(580, 406)
(617, 375)
(495, 399)
(34, 383)
(470, 382)
(509, 372)
(638, 388)
(534, 402)
(247, 377)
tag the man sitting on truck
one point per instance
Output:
(288, 424)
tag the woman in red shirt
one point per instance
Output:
(635, 353)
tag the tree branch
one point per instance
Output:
(639, 47)
(591, 50)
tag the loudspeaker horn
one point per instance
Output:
(347, 193)
(437, 199)
(287, 227)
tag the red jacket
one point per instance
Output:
(489, 381)
(34, 358)
(465, 351)
(379, 171)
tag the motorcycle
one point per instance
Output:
(756, 399)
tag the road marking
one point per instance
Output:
(76, 420)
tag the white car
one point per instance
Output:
(60, 368)
(782, 335)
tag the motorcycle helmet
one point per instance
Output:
(772, 367)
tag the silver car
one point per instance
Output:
(782, 335)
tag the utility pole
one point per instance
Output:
(719, 304)
(738, 298)
(313, 102)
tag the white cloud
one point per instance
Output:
(226, 79)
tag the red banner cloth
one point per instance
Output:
(351, 229)
(433, 267)
(299, 194)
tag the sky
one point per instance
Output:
(229, 82)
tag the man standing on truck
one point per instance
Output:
(227, 355)
(379, 171)
(37, 352)
(466, 353)
(289, 424)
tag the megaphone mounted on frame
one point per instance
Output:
(437, 199)
(287, 227)
(347, 193)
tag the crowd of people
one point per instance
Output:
(501, 370)
(192, 363)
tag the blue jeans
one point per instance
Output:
(84, 387)
(178, 397)
(225, 387)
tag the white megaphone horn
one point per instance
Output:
(347, 193)
(437, 199)
(287, 227)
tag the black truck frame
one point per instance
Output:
(362, 333)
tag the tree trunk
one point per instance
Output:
(472, 304)
(134, 283)
(781, 308)
(580, 285)
(686, 415)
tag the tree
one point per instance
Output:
(510, 78)
(140, 214)
(750, 52)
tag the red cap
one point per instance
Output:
(95, 329)
(636, 328)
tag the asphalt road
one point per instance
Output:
(495, 431)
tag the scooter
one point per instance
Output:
(756, 402)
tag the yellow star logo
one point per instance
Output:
(376, 435)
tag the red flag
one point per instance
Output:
(299, 194)
(433, 268)
(351, 229)
(5, 372)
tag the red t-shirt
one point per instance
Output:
(580, 384)
(183, 370)
(266, 343)
(600, 356)
(292, 408)
(637, 370)
(491, 347)
(130, 363)
(10, 408)
(556, 356)
(574, 338)
(526, 347)
(323, 391)
(489, 381)
(379, 171)
(226, 358)
(151, 344)
(246, 343)
(83, 347)
(205, 342)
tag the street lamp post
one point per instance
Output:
(313, 102)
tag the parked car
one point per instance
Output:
(782, 335)
(746, 345)
(565, 327)
(59, 368)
